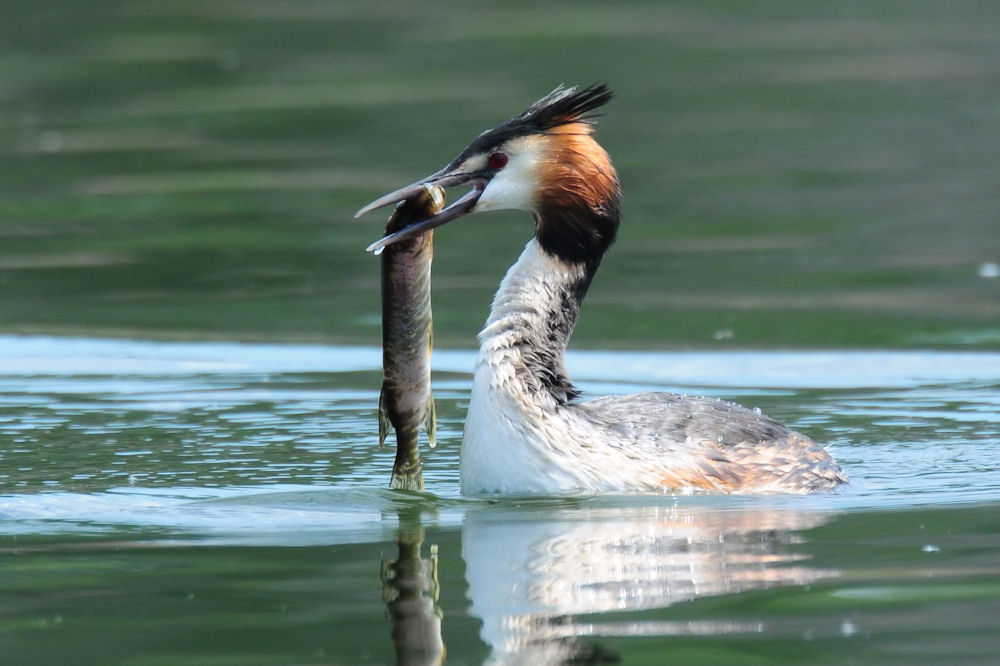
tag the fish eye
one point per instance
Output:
(497, 161)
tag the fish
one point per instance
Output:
(406, 403)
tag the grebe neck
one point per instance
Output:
(530, 323)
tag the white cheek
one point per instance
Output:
(513, 187)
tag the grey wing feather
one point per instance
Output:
(723, 441)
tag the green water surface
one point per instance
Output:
(796, 175)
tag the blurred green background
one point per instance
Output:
(796, 174)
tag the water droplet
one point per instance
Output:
(757, 411)
(989, 269)
(931, 548)
(848, 628)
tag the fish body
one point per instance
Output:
(406, 403)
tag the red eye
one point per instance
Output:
(497, 161)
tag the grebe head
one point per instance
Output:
(543, 160)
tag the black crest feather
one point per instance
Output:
(560, 107)
(564, 105)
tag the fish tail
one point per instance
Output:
(407, 480)
(407, 472)
(384, 424)
(430, 422)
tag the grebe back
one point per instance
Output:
(527, 431)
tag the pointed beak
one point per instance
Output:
(443, 178)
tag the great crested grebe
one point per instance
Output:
(526, 432)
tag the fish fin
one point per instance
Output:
(430, 423)
(410, 480)
(384, 424)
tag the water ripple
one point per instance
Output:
(91, 416)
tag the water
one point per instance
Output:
(227, 503)
(797, 175)
(794, 175)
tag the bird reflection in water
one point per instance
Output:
(532, 574)
(410, 592)
(546, 582)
